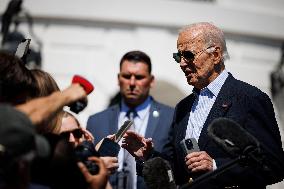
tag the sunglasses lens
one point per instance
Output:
(77, 133)
(64, 135)
(177, 57)
(188, 55)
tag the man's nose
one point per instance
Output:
(132, 80)
(183, 62)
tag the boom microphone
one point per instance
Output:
(240, 143)
(232, 137)
(23, 50)
(88, 87)
(157, 173)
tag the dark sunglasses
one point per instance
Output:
(77, 133)
(187, 55)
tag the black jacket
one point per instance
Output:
(249, 107)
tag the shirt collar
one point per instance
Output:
(195, 92)
(141, 109)
(215, 86)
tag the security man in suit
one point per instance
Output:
(151, 118)
(201, 55)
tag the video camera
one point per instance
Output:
(85, 150)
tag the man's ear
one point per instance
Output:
(152, 81)
(217, 55)
(118, 79)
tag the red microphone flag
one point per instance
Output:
(88, 87)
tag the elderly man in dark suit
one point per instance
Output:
(201, 55)
(151, 118)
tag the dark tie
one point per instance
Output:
(129, 162)
(131, 114)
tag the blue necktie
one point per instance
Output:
(129, 165)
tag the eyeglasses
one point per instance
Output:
(187, 55)
(77, 133)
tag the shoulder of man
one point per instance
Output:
(248, 90)
(102, 114)
(162, 105)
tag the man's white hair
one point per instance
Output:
(211, 35)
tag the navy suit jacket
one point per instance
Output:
(106, 122)
(244, 104)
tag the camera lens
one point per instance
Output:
(92, 167)
(188, 144)
(83, 151)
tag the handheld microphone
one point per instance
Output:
(232, 137)
(157, 173)
(110, 147)
(78, 106)
(88, 87)
(23, 50)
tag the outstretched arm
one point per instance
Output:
(41, 109)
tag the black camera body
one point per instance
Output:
(85, 150)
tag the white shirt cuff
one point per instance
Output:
(214, 165)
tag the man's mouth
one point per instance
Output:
(131, 92)
(188, 72)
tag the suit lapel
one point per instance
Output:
(113, 119)
(220, 108)
(154, 116)
(183, 116)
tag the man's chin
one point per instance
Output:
(131, 98)
(191, 81)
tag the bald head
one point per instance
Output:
(206, 33)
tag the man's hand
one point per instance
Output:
(101, 141)
(111, 163)
(199, 161)
(138, 146)
(98, 181)
(74, 92)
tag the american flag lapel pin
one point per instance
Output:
(226, 105)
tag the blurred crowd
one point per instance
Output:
(41, 145)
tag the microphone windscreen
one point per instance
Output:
(88, 87)
(231, 136)
(157, 173)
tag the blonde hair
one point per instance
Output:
(46, 85)
(44, 82)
